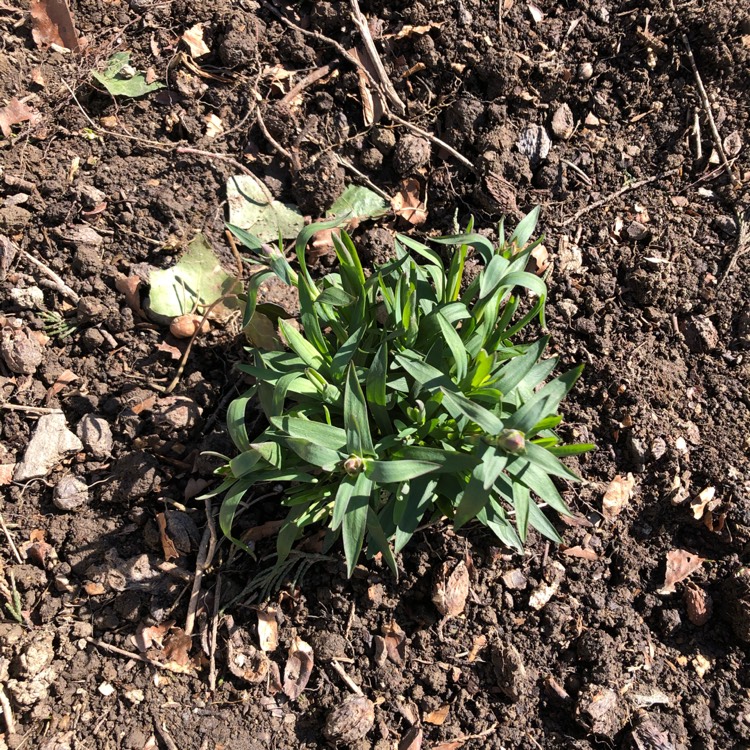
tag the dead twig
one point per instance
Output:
(372, 51)
(11, 543)
(214, 631)
(205, 558)
(362, 176)
(578, 171)
(60, 285)
(132, 655)
(345, 677)
(274, 143)
(161, 730)
(30, 409)
(306, 82)
(742, 245)
(434, 139)
(212, 155)
(707, 109)
(10, 724)
(604, 201)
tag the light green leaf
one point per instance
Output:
(460, 405)
(358, 437)
(317, 455)
(389, 472)
(261, 332)
(252, 207)
(121, 80)
(316, 432)
(355, 521)
(357, 203)
(301, 346)
(198, 279)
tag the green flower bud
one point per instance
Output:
(512, 441)
(354, 465)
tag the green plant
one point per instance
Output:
(404, 397)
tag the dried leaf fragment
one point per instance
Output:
(698, 604)
(438, 716)
(407, 203)
(193, 38)
(705, 501)
(680, 564)
(298, 668)
(617, 496)
(395, 642)
(268, 629)
(52, 23)
(351, 720)
(14, 113)
(451, 588)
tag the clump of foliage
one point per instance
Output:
(403, 397)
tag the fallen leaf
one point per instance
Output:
(94, 589)
(151, 636)
(261, 332)
(147, 404)
(130, 287)
(38, 77)
(193, 38)
(15, 113)
(298, 668)
(197, 280)
(407, 30)
(66, 377)
(252, 207)
(173, 351)
(617, 495)
(214, 125)
(176, 649)
(52, 23)
(705, 501)
(583, 552)
(452, 745)
(244, 660)
(538, 260)
(479, 643)
(6, 473)
(680, 564)
(170, 551)
(264, 531)
(412, 740)
(372, 105)
(120, 79)
(356, 204)
(408, 205)
(395, 643)
(451, 589)
(698, 604)
(536, 13)
(438, 716)
(268, 629)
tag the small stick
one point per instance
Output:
(10, 724)
(345, 677)
(30, 409)
(743, 247)
(578, 171)
(372, 51)
(214, 631)
(707, 109)
(161, 730)
(276, 145)
(11, 543)
(430, 137)
(235, 253)
(362, 176)
(60, 285)
(205, 558)
(212, 155)
(132, 655)
(697, 136)
(307, 81)
(632, 186)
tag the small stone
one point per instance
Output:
(637, 231)
(70, 493)
(384, 140)
(726, 225)
(563, 123)
(515, 579)
(90, 196)
(176, 412)
(96, 435)
(51, 441)
(585, 71)
(30, 298)
(534, 143)
(106, 689)
(13, 218)
(513, 678)
(600, 711)
(351, 720)
(20, 350)
(700, 334)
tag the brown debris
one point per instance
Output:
(438, 716)
(298, 668)
(395, 643)
(268, 629)
(244, 660)
(451, 588)
(600, 711)
(407, 203)
(698, 603)
(680, 564)
(350, 721)
(52, 23)
(513, 678)
(617, 496)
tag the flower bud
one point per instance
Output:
(354, 465)
(512, 441)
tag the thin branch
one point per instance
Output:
(306, 82)
(604, 201)
(356, 689)
(132, 655)
(10, 725)
(434, 139)
(707, 109)
(348, 165)
(11, 543)
(30, 409)
(60, 285)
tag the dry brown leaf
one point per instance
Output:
(451, 589)
(705, 501)
(176, 648)
(52, 23)
(407, 30)
(15, 113)
(66, 377)
(536, 13)
(146, 405)
(452, 745)
(412, 740)
(680, 564)
(298, 668)
(438, 716)
(130, 287)
(479, 643)
(395, 642)
(372, 106)
(170, 551)
(148, 637)
(244, 660)
(583, 552)
(173, 351)
(538, 260)
(214, 125)
(38, 77)
(617, 495)
(698, 603)
(6, 473)
(264, 531)
(268, 629)
(407, 203)
(94, 589)
(193, 38)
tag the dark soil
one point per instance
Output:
(648, 289)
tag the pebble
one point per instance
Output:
(96, 436)
(637, 231)
(20, 350)
(51, 441)
(535, 143)
(585, 71)
(563, 123)
(70, 493)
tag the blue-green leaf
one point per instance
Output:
(389, 472)
(358, 438)
(355, 521)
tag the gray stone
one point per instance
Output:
(50, 443)
(96, 435)
(70, 493)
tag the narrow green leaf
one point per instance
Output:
(388, 472)
(474, 498)
(450, 462)
(280, 391)
(375, 389)
(514, 371)
(236, 419)
(542, 524)
(341, 503)
(229, 507)
(426, 375)
(458, 404)
(301, 346)
(316, 432)
(346, 353)
(571, 450)
(315, 454)
(524, 230)
(548, 463)
(494, 518)
(456, 346)
(244, 463)
(358, 438)
(421, 249)
(355, 521)
(335, 297)
(411, 508)
(521, 503)
(520, 469)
